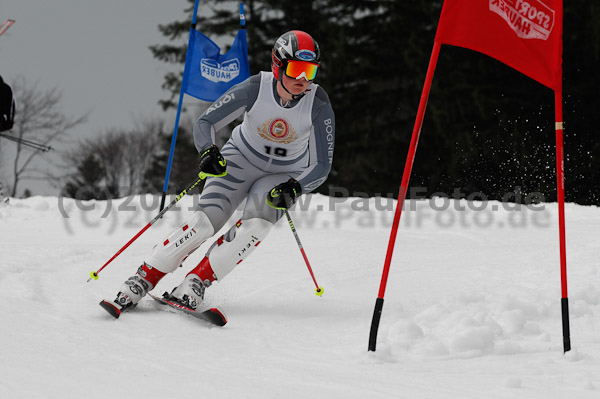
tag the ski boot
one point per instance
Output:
(190, 293)
(133, 290)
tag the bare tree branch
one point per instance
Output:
(39, 118)
(124, 157)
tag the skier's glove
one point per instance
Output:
(284, 195)
(212, 163)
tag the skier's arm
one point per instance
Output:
(321, 143)
(225, 110)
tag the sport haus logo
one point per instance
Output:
(530, 19)
(219, 72)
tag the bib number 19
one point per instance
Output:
(280, 152)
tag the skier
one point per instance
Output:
(7, 116)
(282, 149)
(7, 106)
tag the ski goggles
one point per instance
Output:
(301, 69)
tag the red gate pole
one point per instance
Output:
(560, 192)
(402, 195)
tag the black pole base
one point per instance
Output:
(375, 324)
(565, 324)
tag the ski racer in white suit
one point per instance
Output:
(282, 149)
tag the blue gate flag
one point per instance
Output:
(210, 73)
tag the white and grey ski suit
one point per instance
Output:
(273, 144)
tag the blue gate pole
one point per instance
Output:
(181, 93)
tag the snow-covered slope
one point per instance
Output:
(472, 307)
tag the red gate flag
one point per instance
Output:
(524, 34)
(527, 36)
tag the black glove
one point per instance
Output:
(284, 195)
(212, 163)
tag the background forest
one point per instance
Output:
(488, 131)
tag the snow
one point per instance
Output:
(472, 306)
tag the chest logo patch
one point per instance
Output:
(277, 130)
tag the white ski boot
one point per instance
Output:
(190, 292)
(133, 290)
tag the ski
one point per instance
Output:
(111, 308)
(214, 315)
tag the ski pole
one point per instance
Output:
(201, 176)
(28, 143)
(318, 290)
(7, 24)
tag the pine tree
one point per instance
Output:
(487, 128)
(85, 185)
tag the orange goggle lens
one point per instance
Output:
(301, 69)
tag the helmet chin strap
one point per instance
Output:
(294, 96)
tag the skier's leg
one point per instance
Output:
(235, 245)
(219, 199)
(222, 196)
(165, 258)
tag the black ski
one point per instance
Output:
(214, 315)
(111, 308)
